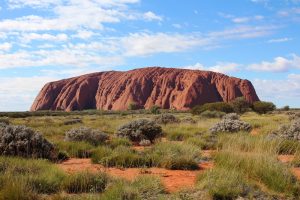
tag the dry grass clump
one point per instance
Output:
(38, 176)
(144, 187)
(175, 156)
(73, 121)
(254, 160)
(86, 182)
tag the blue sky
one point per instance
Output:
(47, 40)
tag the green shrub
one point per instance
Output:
(256, 158)
(240, 105)
(116, 141)
(38, 176)
(133, 106)
(148, 186)
(212, 114)
(62, 156)
(263, 107)
(174, 156)
(177, 135)
(218, 106)
(16, 190)
(143, 187)
(73, 121)
(86, 182)
(286, 108)
(140, 129)
(155, 109)
(119, 157)
(263, 167)
(76, 149)
(204, 142)
(91, 136)
(222, 183)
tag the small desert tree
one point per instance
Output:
(240, 105)
(133, 106)
(155, 109)
(263, 107)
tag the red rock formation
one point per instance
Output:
(172, 88)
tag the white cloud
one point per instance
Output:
(247, 19)
(84, 34)
(286, 91)
(18, 93)
(46, 46)
(73, 15)
(289, 12)
(141, 44)
(3, 35)
(279, 64)
(241, 19)
(280, 40)
(28, 37)
(242, 32)
(150, 16)
(5, 46)
(63, 57)
(33, 3)
(221, 67)
(177, 26)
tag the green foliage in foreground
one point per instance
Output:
(175, 156)
(165, 154)
(38, 176)
(253, 159)
(142, 188)
(86, 182)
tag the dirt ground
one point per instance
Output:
(173, 180)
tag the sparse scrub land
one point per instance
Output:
(243, 165)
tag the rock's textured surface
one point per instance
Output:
(168, 88)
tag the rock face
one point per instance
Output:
(168, 88)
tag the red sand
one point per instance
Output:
(286, 158)
(255, 131)
(173, 180)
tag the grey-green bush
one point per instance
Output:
(91, 136)
(166, 118)
(140, 129)
(230, 123)
(25, 142)
(291, 131)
